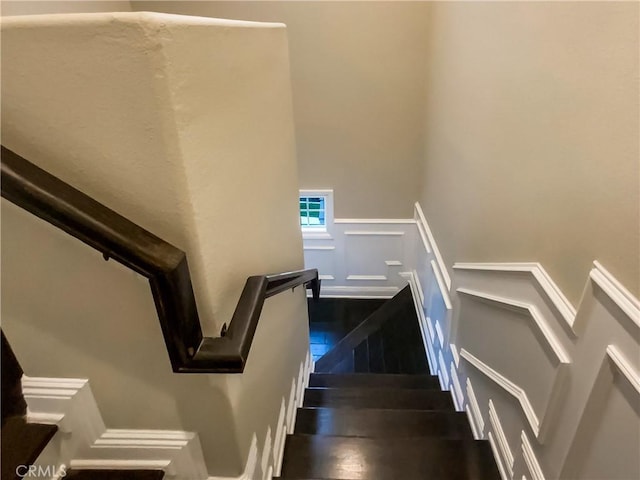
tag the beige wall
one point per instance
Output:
(358, 74)
(531, 136)
(151, 114)
(28, 7)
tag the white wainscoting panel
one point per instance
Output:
(566, 378)
(84, 442)
(362, 258)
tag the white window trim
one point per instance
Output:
(320, 233)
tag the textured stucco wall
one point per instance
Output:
(35, 7)
(358, 73)
(185, 126)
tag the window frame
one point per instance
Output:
(319, 232)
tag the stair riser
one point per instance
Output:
(391, 399)
(379, 459)
(374, 381)
(381, 423)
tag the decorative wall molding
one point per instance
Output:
(358, 292)
(363, 257)
(443, 371)
(84, 442)
(374, 221)
(614, 364)
(574, 350)
(508, 386)
(421, 219)
(616, 292)
(439, 334)
(375, 278)
(553, 292)
(520, 287)
(527, 309)
(501, 439)
(624, 367)
(474, 429)
(423, 322)
(476, 414)
(454, 354)
(373, 233)
(393, 263)
(530, 460)
(496, 454)
(456, 388)
(432, 333)
(441, 284)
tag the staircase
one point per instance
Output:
(23, 442)
(399, 425)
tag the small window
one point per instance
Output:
(313, 212)
(316, 214)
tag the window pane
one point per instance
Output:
(312, 211)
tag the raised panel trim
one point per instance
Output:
(375, 233)
(501, 438)
(376, 278)
(433, 245)
(498, 458)
(439, 334)
(507, 385)
(395, 221)
(553, 292)
(457, 388)
(393, 263)
(472, 422)
(530, 459)
(624, 367)
(412, 278)
(616, 291)
(432, 333)
(441, 285)
(319, 247)
(527, 309)
(423, 237)
(87, 443)
(443, 369)
(475, 407)
(316, 235)
(416, 279)
(343, 291)
(454, 354)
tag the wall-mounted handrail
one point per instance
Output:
(165, 265)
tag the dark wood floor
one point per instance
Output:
(375, 414)
(387, 340)
(331, 319)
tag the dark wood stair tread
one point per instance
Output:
(373, 397)
(381, 423)
(22, 442)
(318, 456)
(114, 475)
(373, 380)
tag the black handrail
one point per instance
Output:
(165, 265)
